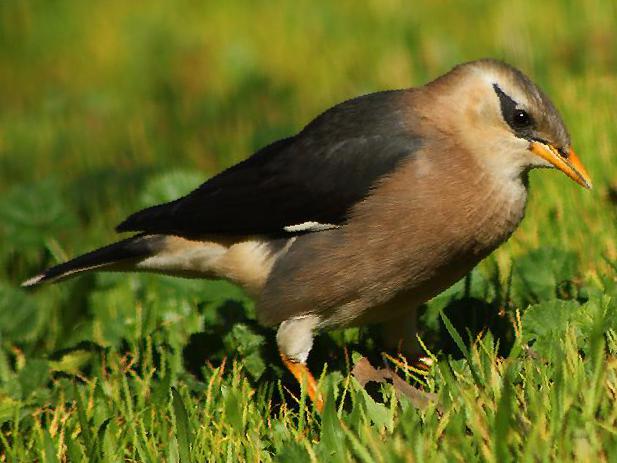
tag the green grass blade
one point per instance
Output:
(503, 420)
(455, 336)
(183, 430)
(83, 421)
(50, 448)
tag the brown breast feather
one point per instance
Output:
(419, 231)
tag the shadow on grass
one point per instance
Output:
(472, 317)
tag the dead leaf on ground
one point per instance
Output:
(364, 373)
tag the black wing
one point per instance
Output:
(315, 176)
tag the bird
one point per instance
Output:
(376, 206)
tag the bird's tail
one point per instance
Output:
(117, 256)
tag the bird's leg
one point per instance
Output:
(295, 339)
(304, 376)
(399, 333)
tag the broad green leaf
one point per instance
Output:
(538, 275)
(20, 314)
(546, 323)
(71, 362)
(169, 186)
(247, 344)
(33, 375)
(31, 214)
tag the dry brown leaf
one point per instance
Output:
(364, 373)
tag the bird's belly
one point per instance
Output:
(414, 275)
(365, 310)
(392, 252)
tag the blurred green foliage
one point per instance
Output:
(107, 107)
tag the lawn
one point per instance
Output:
(107, 107)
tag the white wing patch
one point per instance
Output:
(309, 226)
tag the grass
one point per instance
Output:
(108, 107)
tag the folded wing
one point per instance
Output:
(306, 182)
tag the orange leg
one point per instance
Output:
(304, 376)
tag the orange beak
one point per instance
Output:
(569, 165)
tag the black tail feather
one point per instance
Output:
(135, 248)
(149, 219)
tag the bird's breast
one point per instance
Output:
(413, 236)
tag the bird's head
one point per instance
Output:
(508, 122)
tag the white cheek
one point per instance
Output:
(506, 159)
(517, 156)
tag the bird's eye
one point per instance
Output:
(521, 118)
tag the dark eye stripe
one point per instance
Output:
(509, 109)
